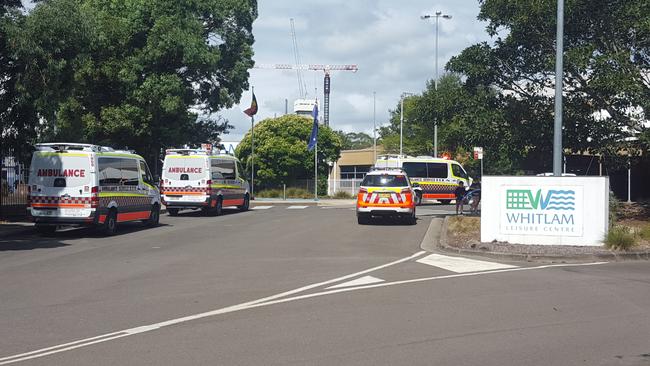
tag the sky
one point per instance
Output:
(393, 48)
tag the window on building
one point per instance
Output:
(354, 171)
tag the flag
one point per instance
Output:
(253, 109)
(314, 130)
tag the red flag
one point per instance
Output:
(253, 109)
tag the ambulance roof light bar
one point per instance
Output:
(63, 146)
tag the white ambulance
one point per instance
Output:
(203, 179)
(90, 185)
(436, 178)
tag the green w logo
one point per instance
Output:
(523, 199)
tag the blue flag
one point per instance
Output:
(314, 130)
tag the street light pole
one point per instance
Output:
(435, 80)
(401, 119)
(557, 128)
(374, 125)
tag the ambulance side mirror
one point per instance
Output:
(415, 184)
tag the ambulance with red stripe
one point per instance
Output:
(90, 185)
(437, 178)
(384, 193)
(203, 179)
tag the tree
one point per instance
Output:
(281, 154)
(142, 73)
(606, 68)
(354, 140)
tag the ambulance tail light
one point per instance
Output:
(29, 196)
(94, 197)
(209, 184)
(408, 194)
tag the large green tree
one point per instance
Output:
(354, 140)
(606, 69)
(281, 154)
(145, 74)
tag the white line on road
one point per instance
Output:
(261, 207)
(365, 280)
(296, 207)
(148, 328)
(460, 264)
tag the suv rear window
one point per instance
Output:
(385, 180)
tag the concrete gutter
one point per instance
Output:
(436, 240)
(301, 202)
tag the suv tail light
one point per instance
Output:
(94, 197)
(363, 190)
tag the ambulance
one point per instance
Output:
(436, 178)
(203, 179)
(386, 193)
(90, 185)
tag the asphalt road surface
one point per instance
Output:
(306, 286)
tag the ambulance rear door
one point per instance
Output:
(185, 178)
(61, 184)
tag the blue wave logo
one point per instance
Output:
(559, 200)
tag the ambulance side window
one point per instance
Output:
(130, 173)
(110, 173)
(145, 173)
(240, 171)
(225, 167)
(437, 170)
(458, 171)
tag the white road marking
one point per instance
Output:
(148, 328)
(460, 264)
(365, 280)
(261, 207)
(296, 207)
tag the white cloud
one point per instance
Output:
(392, 46)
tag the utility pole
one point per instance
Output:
(557, 128)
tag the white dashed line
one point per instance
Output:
(296, 207)
(261, 207)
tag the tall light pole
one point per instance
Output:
(374, 125)
(438, 15)
(557, 128)
(401, 120)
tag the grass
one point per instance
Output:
(644, 232)
(619, 238)
(291, 193)
(464, 225)
(342, 195)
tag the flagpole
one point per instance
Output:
(316, 170)
(252, 157)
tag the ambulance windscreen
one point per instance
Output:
(60, 170)
(384, 180)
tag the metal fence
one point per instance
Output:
(347, 186)
(13, 186)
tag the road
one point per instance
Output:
(306, 286)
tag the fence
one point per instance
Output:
(348, 186)
(13, 187)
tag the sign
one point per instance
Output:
(206, 147)
(542, 211)
(545, 210)
(478, 153)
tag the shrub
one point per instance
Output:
(269, 193)
(342, 195)
(614, 208)
(464, 224)
(644, 232)
(619, 238)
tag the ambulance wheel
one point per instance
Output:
(363, 219)
(154, 216)
(218, 209)
(247, 202)
(172, 211)
(418, 198)
(45, 229)
(110, 225)
(445, 202)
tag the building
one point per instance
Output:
(348, 172)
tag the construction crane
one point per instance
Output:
(302, 86)
(326, 82)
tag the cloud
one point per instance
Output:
(392, 46)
